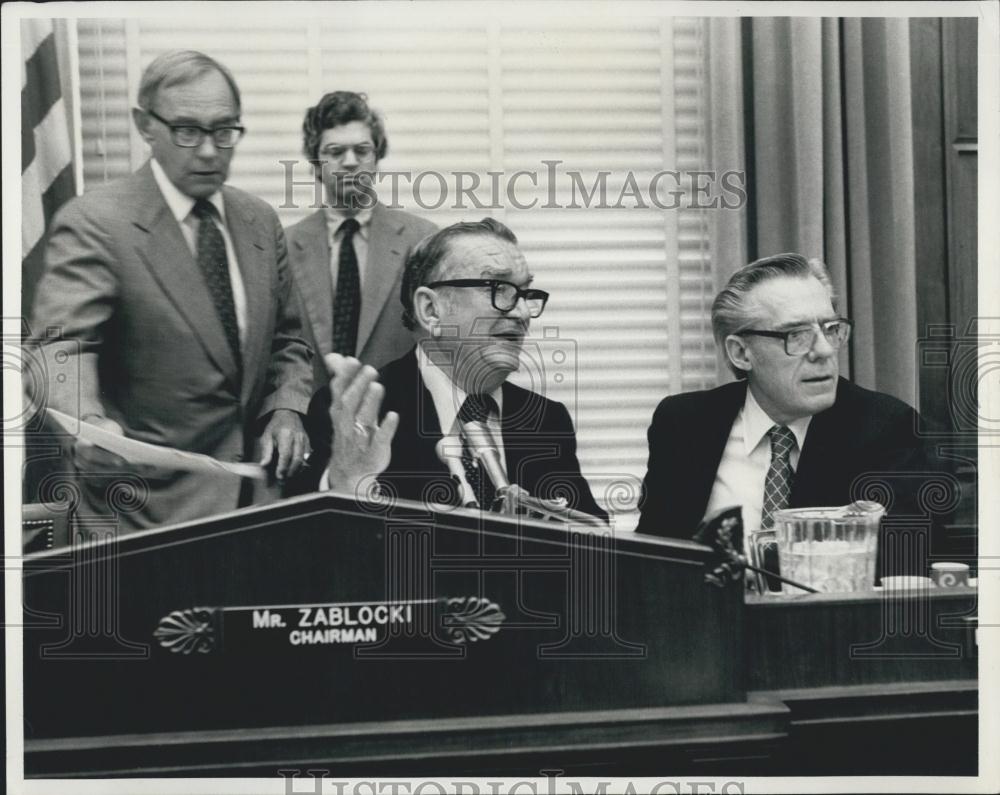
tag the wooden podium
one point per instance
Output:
(392, 640)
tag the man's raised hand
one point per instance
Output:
(362, 446)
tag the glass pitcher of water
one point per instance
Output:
(831, 549)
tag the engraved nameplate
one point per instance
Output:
(457, 621)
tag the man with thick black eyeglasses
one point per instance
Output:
(504, 295)
(176, 319)
(467, 294)
(789, 432)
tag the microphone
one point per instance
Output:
(514, 498)
(484, 450)
(449, 453)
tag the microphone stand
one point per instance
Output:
(514, 499)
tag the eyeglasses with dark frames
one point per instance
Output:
(504, 295)
(799, 341)
(190, 136)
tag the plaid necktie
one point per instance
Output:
(347, 302)
(778, 483)
(477, 408)
(214, 267)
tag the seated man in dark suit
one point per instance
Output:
(789, 432)
(466, 294)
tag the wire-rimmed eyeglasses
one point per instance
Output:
(336, 152)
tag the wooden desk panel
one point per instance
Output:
(839, 685)
(824, 640)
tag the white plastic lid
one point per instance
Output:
(949, 566)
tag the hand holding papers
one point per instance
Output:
(92, 458)
(143, 454)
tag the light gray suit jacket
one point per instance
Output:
(381, 334)
(139, 340)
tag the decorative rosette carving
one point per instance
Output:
(188, 631)
(468, 619)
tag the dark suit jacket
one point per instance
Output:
(381, 334)
(140, 340)
(538, 438)
(863, 447)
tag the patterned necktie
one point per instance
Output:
(477, 408)
(214, 267)
(347, 302)
(778, 483)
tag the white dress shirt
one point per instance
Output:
(181, 205)
(742, 471)
(334, 218)
(448, 399)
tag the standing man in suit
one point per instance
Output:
(467, 294)
(173, 302)
(347, 258)
(789, 432)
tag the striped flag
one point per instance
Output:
(47, 181)
(47, 178)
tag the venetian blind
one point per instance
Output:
(580, 107)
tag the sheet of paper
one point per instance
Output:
(143, 453)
